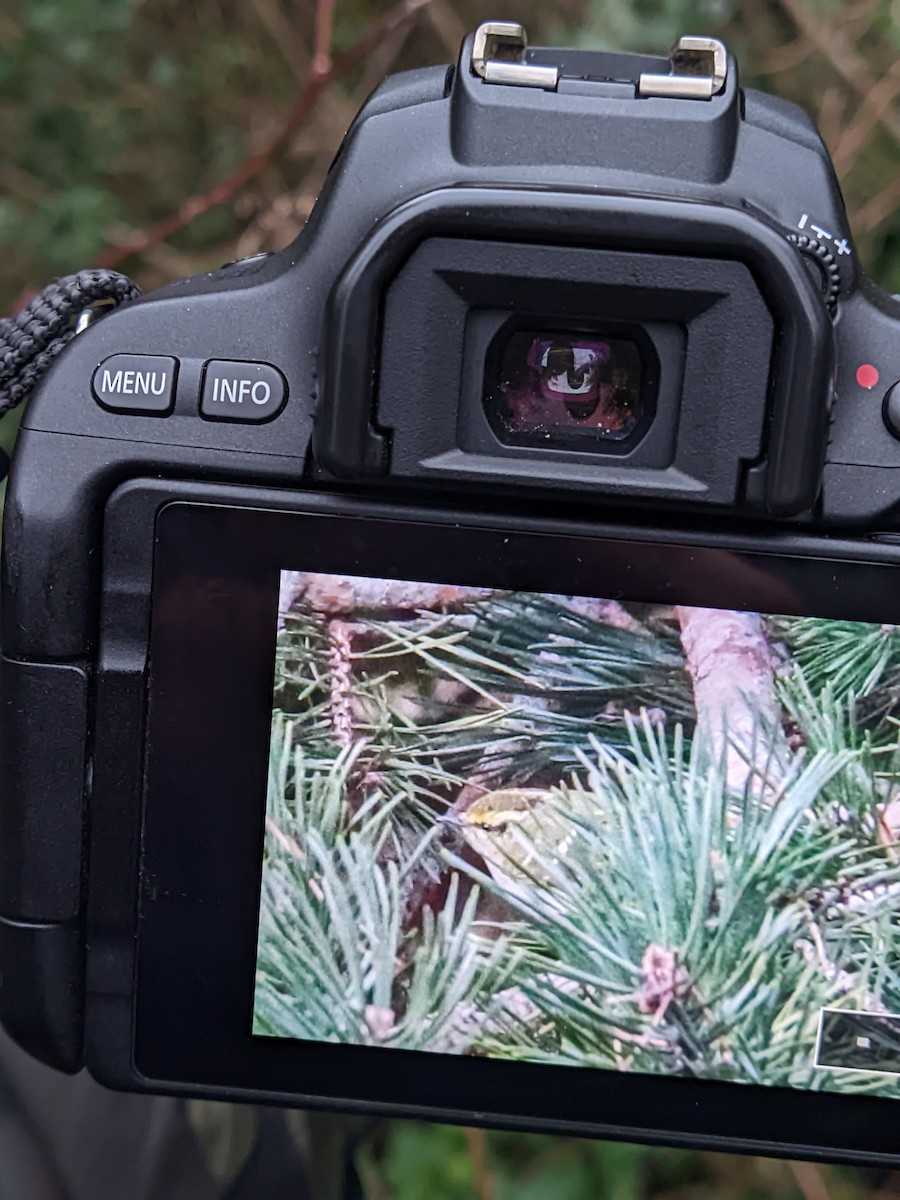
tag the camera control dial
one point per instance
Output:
(891, 410)
(823, 267)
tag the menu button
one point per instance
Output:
(136, 383)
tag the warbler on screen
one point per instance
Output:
(521, 833)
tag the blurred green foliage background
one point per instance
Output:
(116, 112)
(435, 1162)
(119, 117)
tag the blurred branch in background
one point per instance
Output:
(838, 60)
(166, 139)
(158, 136)
(323, 71)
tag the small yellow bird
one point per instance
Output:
(519, 832)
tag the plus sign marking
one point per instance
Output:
(841, 245)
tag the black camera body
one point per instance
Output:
(552, 307)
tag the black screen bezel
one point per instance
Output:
(209, 709)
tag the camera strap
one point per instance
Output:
(30, 342)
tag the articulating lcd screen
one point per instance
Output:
(561, 830)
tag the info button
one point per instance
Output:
(241, 391)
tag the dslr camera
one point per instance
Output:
(450, 667)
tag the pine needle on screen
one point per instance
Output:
(543, 828)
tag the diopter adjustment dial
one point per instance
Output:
(823, 267)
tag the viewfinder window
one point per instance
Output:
(563, 388)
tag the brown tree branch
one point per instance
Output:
(738, 713)
(809, 1180)
(854, 137)
(844, 58)
(325, 70)
(786, 57)
(484, 1182)
(321, 64)
(346, 595)
(831, 116)
(447, 25)
(879, 208)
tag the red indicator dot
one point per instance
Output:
(867, 375)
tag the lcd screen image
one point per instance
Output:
(550, 829)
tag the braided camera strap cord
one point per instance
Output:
(30, 342)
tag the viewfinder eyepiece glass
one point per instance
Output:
(561, 387)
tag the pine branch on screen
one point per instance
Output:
(542, 796)
(851, 656)
(690, 930)
(334, 962)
